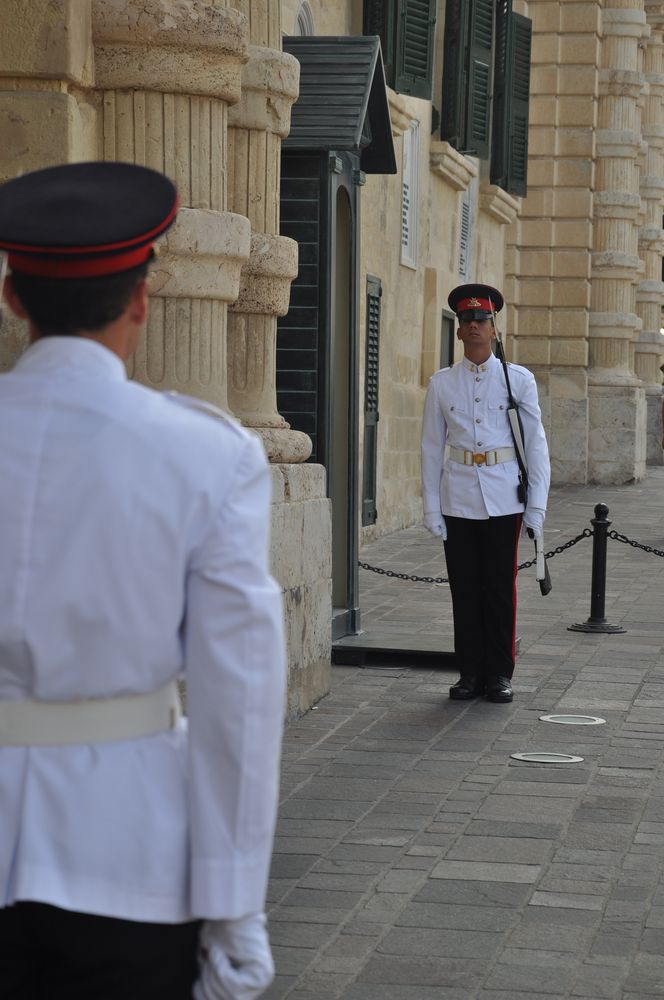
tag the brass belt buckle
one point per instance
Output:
(479, 458)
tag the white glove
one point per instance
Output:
(236, 959)
(533, 518)
(435, 523)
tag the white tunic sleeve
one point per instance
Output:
(235, 668)
(434, 435)
(537, 451)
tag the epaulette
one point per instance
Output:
(202, 406)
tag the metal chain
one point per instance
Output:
(635, 545)
(586, 533)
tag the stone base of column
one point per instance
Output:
(302, 565)
(283, 445)
(564, 403)
(617, 438)
(654, 430)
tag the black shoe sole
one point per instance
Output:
(465, 696)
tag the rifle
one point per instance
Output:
(516, 427)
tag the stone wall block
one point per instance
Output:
(202, 256)
(617, 438)
(46, 39)
(270, 85)
(187, 47)
(41, 129)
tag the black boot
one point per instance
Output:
(467, 688)
(499, 689)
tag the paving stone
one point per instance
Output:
(424, 971)
(440, 943)
(483, 872)
(474, 893)
(457, 916)
(500, 849)
(521, 969)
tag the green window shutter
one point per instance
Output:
(416, 22)
(509, 156)
(453, 116)
(372, 346)
(379, 18)
(467, 66)
(479, 78)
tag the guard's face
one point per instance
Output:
(475, 332)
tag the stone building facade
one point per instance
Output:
(202, 90)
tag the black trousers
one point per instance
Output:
(47, 953)
(481, 561)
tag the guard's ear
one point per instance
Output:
(12, 299)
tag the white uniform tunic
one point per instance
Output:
(466, 407)
(133, 548)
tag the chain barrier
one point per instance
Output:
(617, 537)
(586, 533)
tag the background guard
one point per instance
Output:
(469, 492)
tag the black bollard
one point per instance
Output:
(597, 621)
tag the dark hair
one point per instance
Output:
(65, 306)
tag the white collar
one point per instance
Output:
(485, 366)
(71, 354)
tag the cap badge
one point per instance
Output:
(474, 304)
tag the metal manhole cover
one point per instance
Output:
(540, 757)
(574, 720)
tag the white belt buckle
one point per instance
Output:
(491, 457)
(468, 457)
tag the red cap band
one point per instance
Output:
(88, 267)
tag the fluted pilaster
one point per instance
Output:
(649, 348)
(617, 269)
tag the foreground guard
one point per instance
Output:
(473, 495)
(133, 550)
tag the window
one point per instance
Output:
(304, 25)
(486, 86)
(374, 292)
(410, 195)
(447, 339)
(406, 30)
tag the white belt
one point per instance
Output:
(29, 722)
(493, 457)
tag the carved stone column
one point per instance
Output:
(301, 556)
(650, 294)
(45, 63)
(165, 74)
(617, 403)
(256, 127)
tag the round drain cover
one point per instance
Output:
(540, 757)
(574, 720)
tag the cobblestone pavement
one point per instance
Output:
(416, 860)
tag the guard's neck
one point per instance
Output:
(477, 356)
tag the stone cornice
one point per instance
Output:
(500, 205)
(191, 48)
(458, 170)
